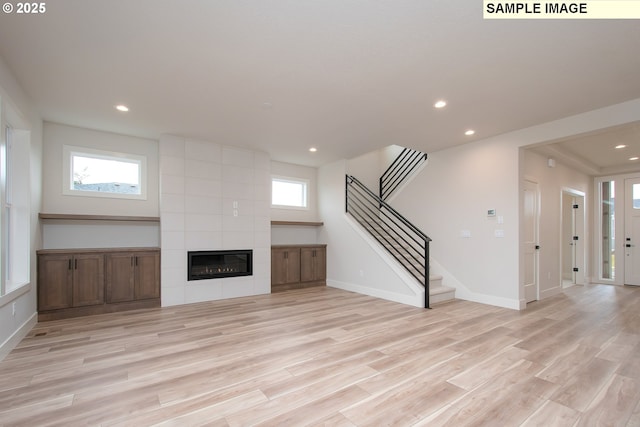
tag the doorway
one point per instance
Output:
(572, 247)
(530, 249)
(632, 232)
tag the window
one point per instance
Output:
(98, 173)
(608, 228)
(15, 213)
(291, 193)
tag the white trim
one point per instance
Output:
(463, 293)
(582, 260)
(550, 292)
(415, 300)
(67, 176)
(21, 332)
(13, 294)
(378, 293)
(292, 180)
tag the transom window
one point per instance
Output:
(98, 173)
(290, 193)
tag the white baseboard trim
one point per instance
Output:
(513, 304)
(11, 342)
(413, 300)
(393, 264)
(550, 292)
(462, 292)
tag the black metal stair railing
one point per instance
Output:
(403, 240)
(407, 161)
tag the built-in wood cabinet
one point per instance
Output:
(313, 264)
(70, 280)
(297, 266)
(77, 282)
(132, 276)
(285, 265)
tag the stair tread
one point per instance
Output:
(437, 290)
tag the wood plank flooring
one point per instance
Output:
(322, 356)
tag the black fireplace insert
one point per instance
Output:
(218, 264)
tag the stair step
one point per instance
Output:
(439, 294)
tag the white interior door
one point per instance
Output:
(580, 254)
(531, 217)
(567, 246)
(632, 232)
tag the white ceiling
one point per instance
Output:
(595, 153)
(345, 76)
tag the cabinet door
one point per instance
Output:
(307, 266)
(312, 264)
(278, 266)
(285, 265)
(55, 286)
(321, 264)
(147, 275)
(120, 277)
(88, 279)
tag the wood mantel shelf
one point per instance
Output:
(76, 217)
(298, 223)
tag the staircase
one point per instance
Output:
(404, 241)
(401, 239)
(402, 167)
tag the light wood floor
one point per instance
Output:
(322, 356)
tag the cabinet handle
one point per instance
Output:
(136, 261)
(69, 263)
(75, 264)
(131, 261)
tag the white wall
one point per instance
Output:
(551, 183)
(13, 327)
(97, 234)
(367, 169)
(294, 234)
(451, 196)
(202, 184)
(301, 172)
(449, 201)
(621, 201)
(54, 201)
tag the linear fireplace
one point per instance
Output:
(218, 264)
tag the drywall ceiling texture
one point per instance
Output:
(346, 77)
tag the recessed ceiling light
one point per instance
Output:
(620, 146)
(122, 108)
(440, 104)
(313, 149)
(470, 132)
(634, 158)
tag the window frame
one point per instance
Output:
(69, 151)
(292, 180)
(15, 230)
